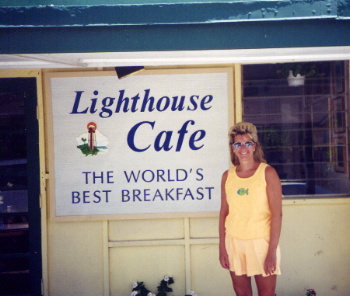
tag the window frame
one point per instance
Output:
(331, 96)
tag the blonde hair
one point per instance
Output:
(249, 129)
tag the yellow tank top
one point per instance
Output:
(249, 212)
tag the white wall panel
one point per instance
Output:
(147, 229)
(148, 264)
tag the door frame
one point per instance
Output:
(36, 181)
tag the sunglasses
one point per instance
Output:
(238, 145)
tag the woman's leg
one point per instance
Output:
(266, 285)
(241, 284)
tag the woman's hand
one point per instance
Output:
(224, 259)
(270, 262)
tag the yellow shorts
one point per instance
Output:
(247, 257)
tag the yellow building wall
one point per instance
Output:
(84, 261)
(316, 247)
(105, 257)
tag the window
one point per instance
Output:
(304, 129)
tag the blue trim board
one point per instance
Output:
(268, 34)
(180, 13)
(154, 25)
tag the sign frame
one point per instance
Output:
(49, 122)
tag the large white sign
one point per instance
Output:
(154, 143)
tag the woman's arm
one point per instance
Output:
(274, 194)
(222, 234)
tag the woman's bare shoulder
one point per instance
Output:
(271, 173)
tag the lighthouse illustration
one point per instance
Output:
(91, 127)
(92, 142)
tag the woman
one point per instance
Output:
(250, 215)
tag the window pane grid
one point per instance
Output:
(304, 130)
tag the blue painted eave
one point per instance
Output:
(343, 9)
(111, 26)
(109, 14)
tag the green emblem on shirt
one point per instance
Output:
(242, 191)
